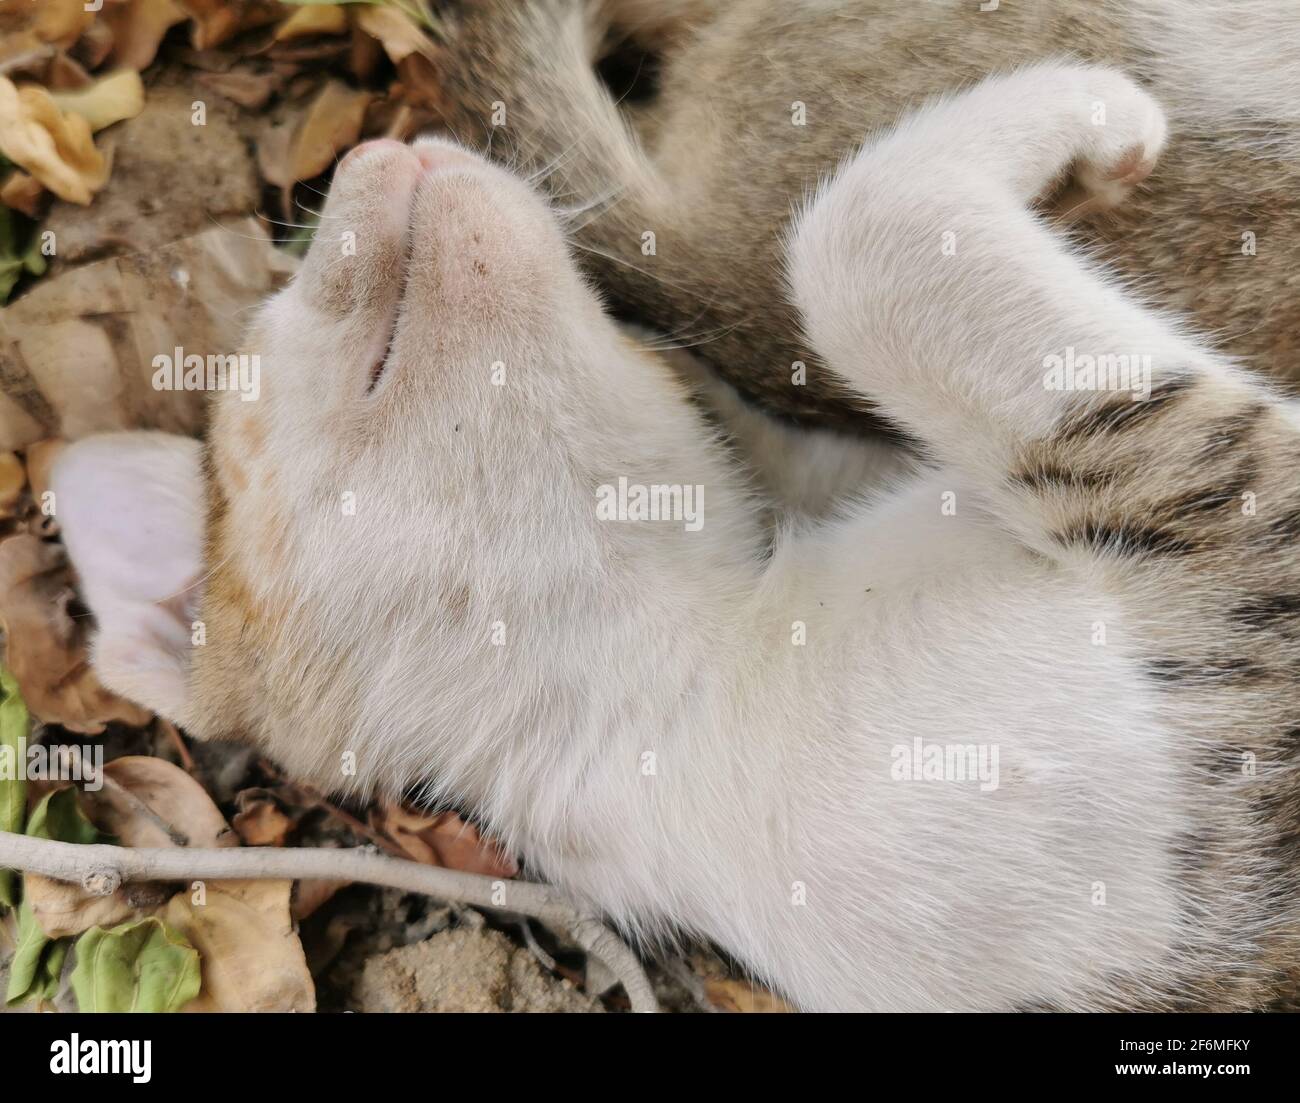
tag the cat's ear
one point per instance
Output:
(130, 507)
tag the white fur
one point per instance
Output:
(770, 821)
(137, 553)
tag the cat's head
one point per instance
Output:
(437, 396)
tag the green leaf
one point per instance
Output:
(19, 250)
(34, 260)
(138, 966)
(37, 963)
(59, 817)
(13, 789)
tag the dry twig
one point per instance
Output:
(102, 869)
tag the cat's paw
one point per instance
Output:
(1127, 134)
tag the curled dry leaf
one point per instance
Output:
(216, 21)
(60, 908)
(134, 214)
(251, 956)
(91, 50)
(400, 34)
(65, 74)
(17, 426)
(13, 478)
(442, 839)
(53, 146)
(61, 22)
(260, 820)
(331, 124)
(421, 85)
(107, 101)
(310, 895)
(364, 54)
(45, 648)
(138, 28)
(149, 801)
(730, 994)
(22, 192)
(144, 802)
(40, 459)
(76, 351)
(247, 88)
(313, 19)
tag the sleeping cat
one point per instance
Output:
(1019, 731)
(680, 201)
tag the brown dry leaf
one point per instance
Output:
(399, 33)
(135, 213)
(274, 157)
(63, 909)
(13, 477)
(730, 994)
(21, 192)
(145, 802)
(394, 117)
(64, 74)
(310, 895)
(17, 426)
(91, 50)
(420, 82)
(251, 956)
(332, 124)
(313, 19)
(45, 648)
(182, 813)
(54, 146)
(442, 839)
(40, 458)
(21, 52)
(216, 21)
(260, 820)
(76, 351)
(138, 28)
(61, 22)
(364, 54)
(244, 87)
(107, 101)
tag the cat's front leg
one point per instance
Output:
(929, 285)
(1084, 421)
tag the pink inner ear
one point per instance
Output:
(131, 509)
(130, 506)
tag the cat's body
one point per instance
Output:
(760, 98)
(691, 728)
